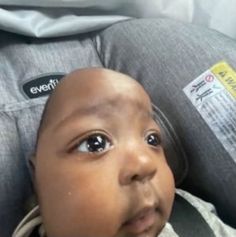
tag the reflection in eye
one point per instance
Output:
(94, 143)
(153, 139)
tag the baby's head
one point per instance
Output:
(100, 169)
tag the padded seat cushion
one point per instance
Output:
(161, 54)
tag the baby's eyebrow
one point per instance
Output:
(98, 110)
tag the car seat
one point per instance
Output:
(163, 55)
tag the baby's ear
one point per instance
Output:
(32, 163)
(31, 202)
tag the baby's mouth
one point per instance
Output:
(142, 220)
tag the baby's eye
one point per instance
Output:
(94, 143)
(153, 139)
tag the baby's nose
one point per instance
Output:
(138, 166)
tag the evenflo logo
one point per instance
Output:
(41, 85)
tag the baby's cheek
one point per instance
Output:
(83, 210)
(168, 186)
(164, 182)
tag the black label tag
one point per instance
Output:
(41, 85)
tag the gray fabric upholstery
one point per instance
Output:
(50, 18)
(165, 56)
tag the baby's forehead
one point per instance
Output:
(94, 85)
(94, 90)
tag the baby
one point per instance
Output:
(99, 165)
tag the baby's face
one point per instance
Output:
(100, 167)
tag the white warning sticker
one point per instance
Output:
(213, 94)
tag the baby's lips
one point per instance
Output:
(142, 221)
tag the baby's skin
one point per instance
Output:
(100, 168)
